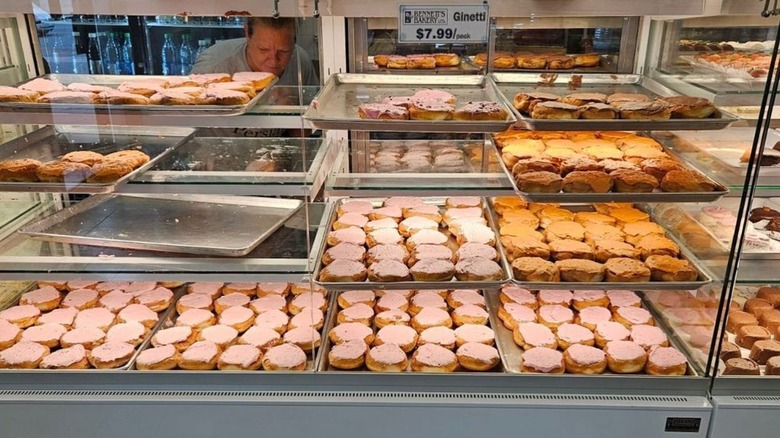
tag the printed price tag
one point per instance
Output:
(443, 24)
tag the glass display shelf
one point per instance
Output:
(281, 257)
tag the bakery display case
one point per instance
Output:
(418, 243)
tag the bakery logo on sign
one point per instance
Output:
(682, 424)
(427, 16)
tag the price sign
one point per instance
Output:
(443, 24)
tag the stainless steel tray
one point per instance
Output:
(685, 254)
(324, 364)
(655, 196)
(452, 284)
(171, 315)
(114, 81)
(195, 224)
(512, 354)
(336, 105)
(52, 142)
(512, 83)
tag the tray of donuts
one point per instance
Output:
(78, 325)
(83, 159)
(592, 246)
(605, 102)
(443, 63)
(601, 166)
(438, 331)
(197, 94)
(550, 62)
(240, 327)
(409, 243)
(583, 332)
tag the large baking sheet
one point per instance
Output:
(332, 321)
(415, 285)
(114, 81)
(655, 196)
(52, 142)
(512, 83)
(703, 279)
(512, 354)
(336, 105)
(193, 224)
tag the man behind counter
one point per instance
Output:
(269, 47)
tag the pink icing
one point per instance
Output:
(274, 288)
(79, 297)
(349, 235)
(84, 335)
(397, 334)
(259, 336)
(351, 331)
(391, 301)
(648, 336)
(360, 207)
(518, 295)
(219, 334)
(74, 285)
(429, 300)
(436, 95)
(138, 312)
(434, 355)
(520, 313)
(481, 352)
(108, 286)
(236, 315)
(59, 316)
(480, 107)
(466, 297)
(624, 350)
(310, 299)
(17, 313)
(562, 297)
(172, 335)
(197, 301)
(358, 311)
(244, 355)
(375, 110)
(543, 359)
(235, 299)
(612, 331)
(402, 201)
(390, 212)
(302, 335)
(129, 332)
(138, 287)
(585, 354)
(349, 350)
(201, 351)
(440, 252)
(286, 356)
(425, 209)
(111, 351)
(22, 352)
(438, 335)
(353, 219)
(269, 302)
(556, 314)
(347, 251)
(470, 310)
(249, 288)
(403, 101)
(272, 319)
(431, 316)
(623, 298)
(404, 293)
(666, 357)
(380, 224)
(588, 295)
(194, 317)
(427, 237)
(536, 334)
(64, 357)
(154, 296)
(353, 297)
(115, 300)
(310, 317)
(211, 289)
(432, 105)
(41, 295)
(573, 333)
(8, 331)
(634, 315)
(395, 316)
(475, 333)
(594, 315)
(388, 354)
(386, 236)
(98, 317)
(156, 355)
(44, 333)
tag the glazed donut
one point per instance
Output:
(240, 358)
(442, 336)
(308, 299)
(21, 316)
(391, 317)
(9, 334)
(543, 360)
(309, 317)
(196, 318)
(71, 358)
(582, 359)
(589, 298)
(387, 358)
(529, 335)
(221, 335)
(553, 315)
(248, 289)
(272, 302)
(81, 299)
(47, 334)
(351, 331)
(240, 318)
(229, 300)
(475, 356)
(514, 294)
(45, 299)
(624, 357)
(349, 355)
(474, 333)
(284, 357)
(111, 355)
(589, 317)
(432, 358)
(403, 336)
(165, 357)
(181, 337)
(96, 317)
(58, 316)
(666, 361)
(571, 334)
(459, 298)
(117, 300)
(260, 337)
(362, 313)
(648, 336)
(629, 316)
(431, 317)
(202, 355)
(607, 332)
(23, 355)
(211, 289)
(469, 314)
(350, 298)
(89, 337)
(392, 302)
(512, 314)
(273, 319)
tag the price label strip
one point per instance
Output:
(443, 24)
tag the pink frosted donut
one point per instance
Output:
(483, 355)
(159, 298)
(268, 302)
(610, 331)
(138, 313)
(359, 207)
(99, 317)
(392, 317)
(243, 356)
(474, 333)
(585, 355)
(589, 298)
(553, 315)
(308, 317)
(260, 337)
(438, 335)
(535, 335)
(666, 357)
(112, 352)
(87, 336)
(352, 220)
(128, 332)
(391, 301)
(459, 298)
(221, 335)
(195, 301)
(115, 300)
(212, 289)
(432, 357)
(234, 299)
(649, 336)
(352, 297)
(173, 335)
(560, 297)
(543, 360)
(154, 356)
(463, 201)
(633, 315)
(380, 224)
(403, 336)
(264, 289)
(517, 314)
(354, 235)
(23, 316)
(80, 298)
(23, 354)
(591, 316)
(308, 299)
(284, 357)
(393, 213)
(351, 331)
(39, 297)
(402, 201)
(428, 300)
(249, 289)
(624, 350)
(403, 292)
(569, 334)
(195, 318)
(362, 313)
(236, 317)
(59, 316)
(108, 286)
(431, 317)
(273, 319)
(65, 357)
(469, 314)
(9, 334)
(347, 351)
(514, 294)
(201, 352)
(136, 288)
(82, 284)
(46, 334)
(623, 298)
(305, 337)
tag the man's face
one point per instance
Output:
(269, 50)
